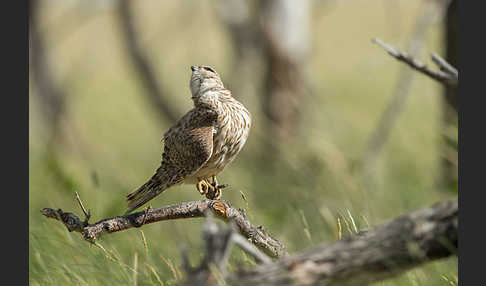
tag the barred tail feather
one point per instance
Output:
(145, 193)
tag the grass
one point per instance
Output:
(111, 142)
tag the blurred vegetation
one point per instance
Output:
(109, 141)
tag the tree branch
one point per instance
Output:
(445, 66)
(379, 253)
(376, 254)
(447, 74)
(256, 235)
(431, 12)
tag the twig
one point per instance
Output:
(223, 210)
(446, 75)
(87, 214)
(445, 66)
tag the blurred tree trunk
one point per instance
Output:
(156, 92)
(50, 95)
(285, 32)
(449, 172)
(240, 19)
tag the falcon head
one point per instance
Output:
(204, 78)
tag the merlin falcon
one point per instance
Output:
(201, 143)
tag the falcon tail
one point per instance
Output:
(145, 193)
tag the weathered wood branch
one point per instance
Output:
(256, 235)
(379, 253)
(447, 74)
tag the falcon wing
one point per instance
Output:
(188, 145)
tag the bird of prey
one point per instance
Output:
(201, 143)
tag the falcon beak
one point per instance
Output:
(193, 68)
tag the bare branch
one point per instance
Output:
(87, 214)
(256, 235)
(445, 66)
(155, 92)
(432, 11)
(377, 254)
(448, 78)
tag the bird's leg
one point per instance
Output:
(217, 188)
(215, 181)
(217, 192)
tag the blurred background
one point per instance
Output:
(343, 135)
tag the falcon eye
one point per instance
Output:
(209, 69)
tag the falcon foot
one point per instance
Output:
(216, 190)
(212, 190)
(204, 187)
(216, 195)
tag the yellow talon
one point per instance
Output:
(212, 190)
(204, 187)
(215, 193)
